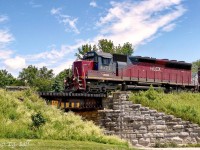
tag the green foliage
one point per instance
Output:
(23, 110)
(185, 105)
(6, 79)
(165, 145)
(84, 49)
(126, 49)
(40, 144)
(28, 75)
(41, 79)
(38, 120)
(57, 86)
(43, 84)
(195, 66)
(106, 46)
(58, 83)
(44, 73)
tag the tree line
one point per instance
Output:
(106, 46)
(43, 79)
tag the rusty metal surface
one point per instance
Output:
(70, 94)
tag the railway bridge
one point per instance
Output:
(118, 116)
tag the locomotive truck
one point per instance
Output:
(100, 72)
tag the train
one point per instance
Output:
(100, 72)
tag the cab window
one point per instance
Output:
(105, 61)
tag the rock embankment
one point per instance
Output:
(143, 126)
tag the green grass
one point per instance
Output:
(23, 115)
(185, 105)
(34, 144)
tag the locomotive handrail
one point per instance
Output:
(77, 73)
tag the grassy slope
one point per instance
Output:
(56, 144)
(184, 105)
(16, 109)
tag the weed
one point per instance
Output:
(18, 119)
(185, 104)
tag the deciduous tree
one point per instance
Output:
(106, 46)
(6, 79)
(41, 79)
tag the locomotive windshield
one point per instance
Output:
(88, 56)
(105, 61)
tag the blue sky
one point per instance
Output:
(48, 32)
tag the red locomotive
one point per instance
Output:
(102, 72)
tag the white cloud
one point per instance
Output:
(34, 5)
(55, 11)
(63, 65)
(5, 37)
(5, 54)
(3, 18)
(15, 63)
(68, 21)
(53, 54)
(93, 4)
(139, 21)
(169, 27)
(56, 58)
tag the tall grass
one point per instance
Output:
(18, 108)
(185, 105)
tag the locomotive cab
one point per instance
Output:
(101, 61)
(91, 56)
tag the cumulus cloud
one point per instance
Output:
(15, 63)
(68, 21)
(137, 22)
(93, 4)
(55, 58)
(53, 54)
(63, 65)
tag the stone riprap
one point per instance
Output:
(143, 126)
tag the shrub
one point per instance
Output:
(38, 120)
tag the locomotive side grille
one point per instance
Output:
(118, 57)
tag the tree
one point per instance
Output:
(195, 66)
(126, 49)
(6, 79)
(43, 85)
(41, 79)
(84, 49)
(106, 46)
(58, 84)
(28, 75)
(45, 73)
